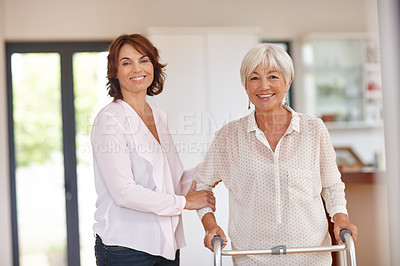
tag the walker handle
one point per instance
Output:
(347, 237)
(343, 232)
(217, 238)
(217, 243)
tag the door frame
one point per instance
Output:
(66, 51)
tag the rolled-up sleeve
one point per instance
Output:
(209, 172)
(332, 185)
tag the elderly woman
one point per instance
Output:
(276, 164)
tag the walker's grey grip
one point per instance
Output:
(217, 238)
(343, 232)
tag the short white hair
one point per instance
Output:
(267, 55)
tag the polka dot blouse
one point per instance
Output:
(275, 196)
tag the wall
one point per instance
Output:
(48, 20)
(90, 19)
(5, 217)
(213, 94)
(389, 24)
(367, 207)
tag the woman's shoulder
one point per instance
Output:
(309, 117)
(308, 121)
(114, 106)
(113, 110)
(233, 127)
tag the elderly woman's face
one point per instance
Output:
(266, 89)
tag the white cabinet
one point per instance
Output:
(341, 84)
(342, 77)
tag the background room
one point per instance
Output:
(52, 83)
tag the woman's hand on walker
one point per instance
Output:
(342, 222)
(212, 229)
(199, 199)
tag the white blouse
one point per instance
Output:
(275, 197)
(140, 183)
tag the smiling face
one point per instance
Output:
(266, 89)
(135, 71)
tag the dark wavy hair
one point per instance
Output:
(143, 46)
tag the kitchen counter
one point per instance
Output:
(362, 176)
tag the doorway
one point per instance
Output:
(54, 92)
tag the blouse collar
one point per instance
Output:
(154, 111)
(293, 126)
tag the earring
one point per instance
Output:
(286, 103)
(248, 108)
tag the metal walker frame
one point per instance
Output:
(346, 236)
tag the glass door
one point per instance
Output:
(89, 72)
(54, 92)
(39, 171)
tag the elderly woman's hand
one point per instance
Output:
(212, 229)
(342, 222)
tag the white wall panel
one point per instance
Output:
(202, 92)
(389, 20)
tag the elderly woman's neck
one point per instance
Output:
(273, 121)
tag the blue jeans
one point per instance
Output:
(122, 256)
